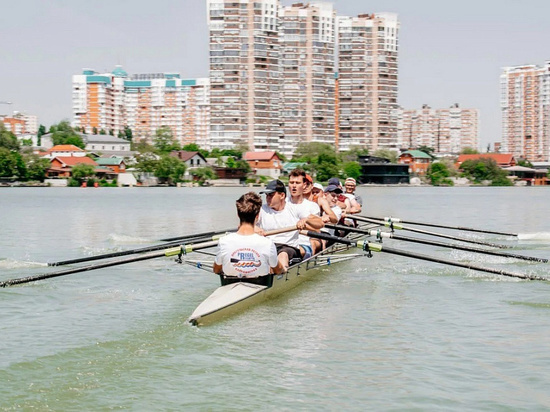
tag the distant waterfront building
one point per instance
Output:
(367, 81)
(525, 104)
(447, 131)
(22, 125)
(143, 103)
(244, 74)
(307, 70)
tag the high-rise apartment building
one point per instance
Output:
(307, 74)
(142, 102)
(244, 73)
(368, 81)
(447, 131)
(525, 104)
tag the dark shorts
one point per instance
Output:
(292, 252)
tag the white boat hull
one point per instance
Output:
(236, 297)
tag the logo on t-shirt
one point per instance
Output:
(245, 260)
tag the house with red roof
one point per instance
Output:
(60, 166)
(264, 163)
(502, 159)
(63, 150)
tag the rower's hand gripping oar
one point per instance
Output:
(393, 226)
(390, 235)
(465, 229)
(174, 251)
(377, 247)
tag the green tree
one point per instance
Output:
(525, 163)
(439, 173)
(82, 171)
(193, 147)
(63, 133)
(321, 159)
(128, 133)
(41, 132)
(426, 149)
(170, 169)
(230, 163)
(469, 150)
(94, 130)
(352, 169)
(146, 162)
(203, 174)
(8, 163)
(164, 140)
(102, 131)
(36, 167)
(484, 168)
(386, 154)
(8, 140)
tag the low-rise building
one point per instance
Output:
(264, 163)
(116, 164)
(417, 160)
(61, 166)
(107, 145)
(63, 150)
(502, 159)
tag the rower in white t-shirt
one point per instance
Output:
(246, 255)
(277, 213)
(298, 182)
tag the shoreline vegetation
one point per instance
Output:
(155, 163)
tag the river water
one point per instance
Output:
(386, 333)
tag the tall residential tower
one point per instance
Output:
(367, 81)
(525, 104)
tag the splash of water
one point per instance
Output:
(18, 264)
(126, 239)
(534, 236)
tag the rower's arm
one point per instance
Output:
(314, 222)
(278, 269)
(329, 215)
(355, 206)
(217, 269)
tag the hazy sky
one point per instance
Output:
(450, 51)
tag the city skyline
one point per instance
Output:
(448, 53)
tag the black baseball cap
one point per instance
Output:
(274, 186)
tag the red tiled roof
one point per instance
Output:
(185, 156)
(259, 155)
(72, 160)
(500, 158)
(65, 148)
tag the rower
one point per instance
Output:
(245, 255)
(331, 194)
(277, 213)
(298, 183)
(349, 191)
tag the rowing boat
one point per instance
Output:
(231, 298)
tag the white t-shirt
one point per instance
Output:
(311, 208)
(271, 219)
(246, 256)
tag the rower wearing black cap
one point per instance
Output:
(277, 213)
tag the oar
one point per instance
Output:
(377, 247)
(467, 229)
(198, 235)
(190, 238)
(183, 249)
(393, 225)
(391, 235)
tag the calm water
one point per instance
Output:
(387, 333)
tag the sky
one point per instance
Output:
(450, 51)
